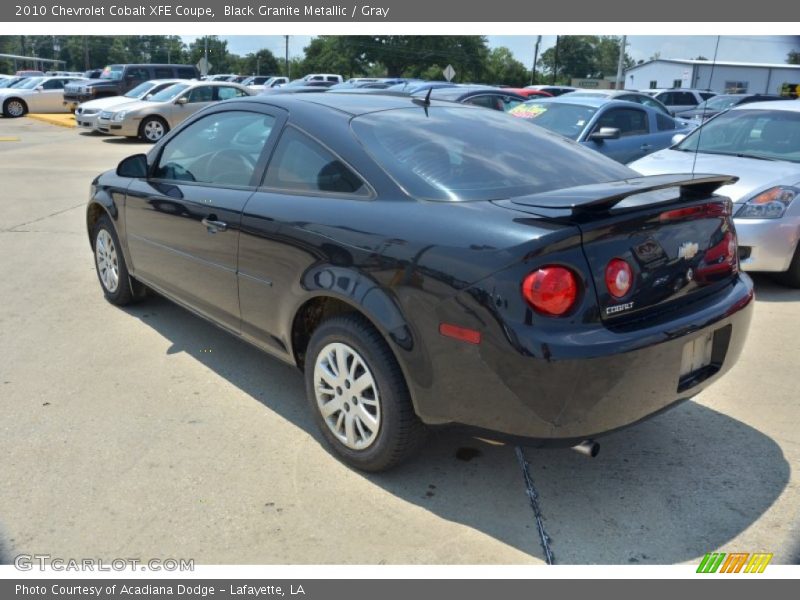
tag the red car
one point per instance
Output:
(526, 92)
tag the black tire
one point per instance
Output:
(127, 289)
(791, 277)
(10, 111)
(146, 123)
(400, 432)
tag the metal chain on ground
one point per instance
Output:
(533, 496)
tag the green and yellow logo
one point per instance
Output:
(734, 562)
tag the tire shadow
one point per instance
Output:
(665, 491)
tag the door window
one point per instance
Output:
(163, 73)
(137, 74)
(221, 148)
(203, 93)
(53, 84)
(629, 121)
(302, 164)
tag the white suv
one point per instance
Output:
(679, 99)
(329, 77)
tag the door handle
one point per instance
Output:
(212, 225)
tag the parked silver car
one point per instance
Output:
(86, 114)
(36, 95)
(151, 119)
(760, 144)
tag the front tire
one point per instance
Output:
(152, 129)
(358, 395)
(14, 108)
(112, 272)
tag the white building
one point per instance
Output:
(721, 77)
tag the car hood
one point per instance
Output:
(135, 105)
(107, 102)
(754, 175)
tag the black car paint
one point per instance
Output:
(409, 265)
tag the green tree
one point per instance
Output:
(503, 68)
(583, 56)
(262, 62)
(793, 58)
(221, 60)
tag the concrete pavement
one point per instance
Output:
(147, 432)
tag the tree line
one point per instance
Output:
(423, 56)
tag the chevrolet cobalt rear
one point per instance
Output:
(427, 263)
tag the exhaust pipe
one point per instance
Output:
(588, 448)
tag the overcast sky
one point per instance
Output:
(768, 49)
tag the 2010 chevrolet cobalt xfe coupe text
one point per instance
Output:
(429, 263)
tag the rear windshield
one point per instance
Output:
(459, 153)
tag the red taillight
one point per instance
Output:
(700, 211)
(619, 277)
(550, 290)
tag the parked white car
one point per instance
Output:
(36, 95)
(760, 144)
(87, 113)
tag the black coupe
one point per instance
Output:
(429, 263)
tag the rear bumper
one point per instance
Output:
(769, 244)
(566, 388)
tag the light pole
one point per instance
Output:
(286, 59)
(535, 58)
(620, 77)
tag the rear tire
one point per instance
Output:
(112, 272)
(358, 395)
(14, 108)
(791, 277)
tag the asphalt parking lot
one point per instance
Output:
(147, 432)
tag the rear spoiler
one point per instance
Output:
(602, 197)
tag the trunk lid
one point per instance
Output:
(676, 235)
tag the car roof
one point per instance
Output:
(452, 93)
(347, 103)
(789, 105)
(594, 100)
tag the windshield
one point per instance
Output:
(169, 93)
(566, 119)
(718, 103)
(28, 83)
(459, 153)
(140, 91)
(767, 134)
(114, 72)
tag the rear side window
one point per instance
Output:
(226, 93)
(664, 123)
(137, 74)
(185, 73)
(459, 154)
(303, 165)
(163, 73)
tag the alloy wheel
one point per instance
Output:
(15, 108)
(107, 265)
(347, 396)
(154, 130)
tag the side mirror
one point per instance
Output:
(605, 133)
(182, 100)
(678, 138)
(39, 88)
(148, 96)
(134, 167)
